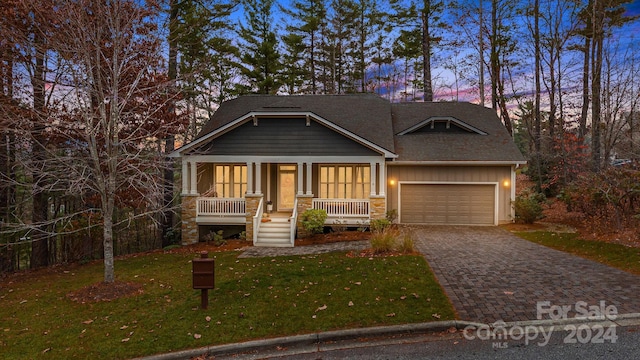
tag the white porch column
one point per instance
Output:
(185, 177)
(513, 191)
(383, 179)
(309, 177)
(194, 178)
(258, 179)
(268, 196)
(300, 176)
(249, 178)
(373, 179)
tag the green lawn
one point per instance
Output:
(615, 255)
(254, 298)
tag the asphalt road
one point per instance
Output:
(584, 343)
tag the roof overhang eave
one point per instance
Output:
(459, 162)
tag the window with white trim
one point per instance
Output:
(231, 180)
(345, 181)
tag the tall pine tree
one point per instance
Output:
(294, 74)
(261, 60)
(338, 53)
(426, 19)
(304, 33)
(192, 25)
(368, 23)
(407, 48)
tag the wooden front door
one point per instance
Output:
(286, 187)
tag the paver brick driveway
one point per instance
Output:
(490, 274)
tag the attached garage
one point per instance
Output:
(448, 203)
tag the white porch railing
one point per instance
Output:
(293, 222)
(220, 206)
(342, 208)
(257, 220)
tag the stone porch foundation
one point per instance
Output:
(305, 202)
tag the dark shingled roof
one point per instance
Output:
(376, 120)
(366, 115)
(497, 145)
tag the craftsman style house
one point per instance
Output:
(355, 156)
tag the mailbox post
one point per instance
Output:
(203, 277)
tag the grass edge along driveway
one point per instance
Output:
(615, 255)
(253, 299)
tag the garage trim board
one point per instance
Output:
(495, 186)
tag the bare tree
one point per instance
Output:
(619, 96)
(120, 107)
(502, 45)
(537, 72)
(471, 34)
(605, 15)
(27, 29)
(560, 20)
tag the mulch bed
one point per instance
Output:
(234, 244)
(103, 291)
(229, 245)
(337, 236)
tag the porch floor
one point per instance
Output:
(280, 214)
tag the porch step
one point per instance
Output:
(273, 244)
(274, 233)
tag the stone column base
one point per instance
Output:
(189, 227)
(378, 207)
(251, 206)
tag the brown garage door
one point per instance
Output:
(459, 204)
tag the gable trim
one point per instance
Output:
(254, 115)
(433, 119)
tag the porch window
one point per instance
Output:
(231, 180)
(345, 181)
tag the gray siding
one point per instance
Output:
(454, 174)
(284, 137)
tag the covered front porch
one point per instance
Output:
(268, 196)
